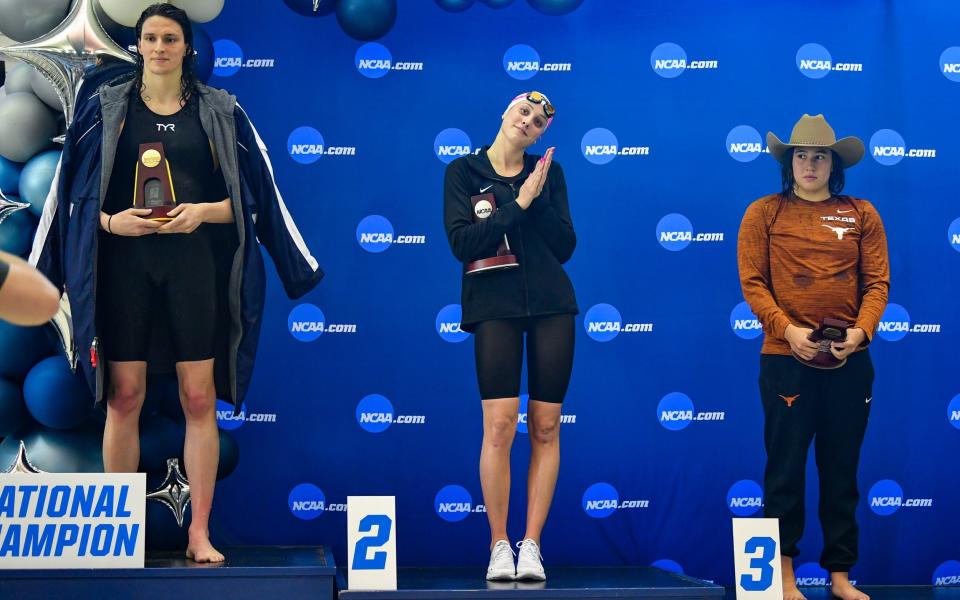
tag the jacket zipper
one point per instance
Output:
(526, 289)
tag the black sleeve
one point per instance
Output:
(550, 213)
(470, 240)
(4, 269)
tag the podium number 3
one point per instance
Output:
(764, 563)
(379, 559)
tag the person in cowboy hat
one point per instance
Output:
(805, 254)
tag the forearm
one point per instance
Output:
(26, 298)
(218, 212)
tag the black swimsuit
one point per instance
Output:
(168, 278)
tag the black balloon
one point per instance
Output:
(312, 8)
(555, 7)
(366, 20)
(455, 5)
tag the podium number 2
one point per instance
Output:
(379, 559)
(764, 563)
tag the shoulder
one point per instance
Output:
(764, 207)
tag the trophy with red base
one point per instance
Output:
(829, 331)
(153, 186)
(484, 206)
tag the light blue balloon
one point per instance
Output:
(36, 179)
(10, 176)
(56, 397)
(16, 232)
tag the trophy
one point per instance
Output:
(153, 187)
(484, 206)
(829, 331)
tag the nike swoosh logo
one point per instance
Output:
(843, 212)
(486, 188)
(867, 401)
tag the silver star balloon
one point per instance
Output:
(8, 206)
(62, 55)
(63, 325)
(174, 491)
(22, 464)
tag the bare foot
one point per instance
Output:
(201, 550)
(842, 588)
(790, 591)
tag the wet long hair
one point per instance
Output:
(188, 79)
(835, 183)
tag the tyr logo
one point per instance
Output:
(170, 127)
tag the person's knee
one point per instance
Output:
(198, 400)
(500, 430)
(126, 398)
(544, 430)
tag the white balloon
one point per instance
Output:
(125, 12)
(18, 79)
(45, 90)
(200, 11)
(26, 126)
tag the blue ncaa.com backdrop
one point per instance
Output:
(662, 109)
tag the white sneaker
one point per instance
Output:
(529, 566)
(501, 562)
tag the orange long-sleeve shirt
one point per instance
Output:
(801, 262)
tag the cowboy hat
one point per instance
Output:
(816, 132)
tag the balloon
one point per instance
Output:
(555, 7)
(312, 8)
(163, 397)
(36, 179)
(455, 5)
(366, 20)
(23, 20)
(74, 451)
(124, 36)
(205, 55)
(174, 491)
(125, 12)
(9, 176)
(56, 397)
(160, 439)
(12, 411)
(16, 233)
(62, 323)
(18, 79)
(10, 204)
(200, 11)
(62, 54)
(21, 348)
(162, 530)
(26, 126)
(497, 3)
(229, 455)
(44, 90)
